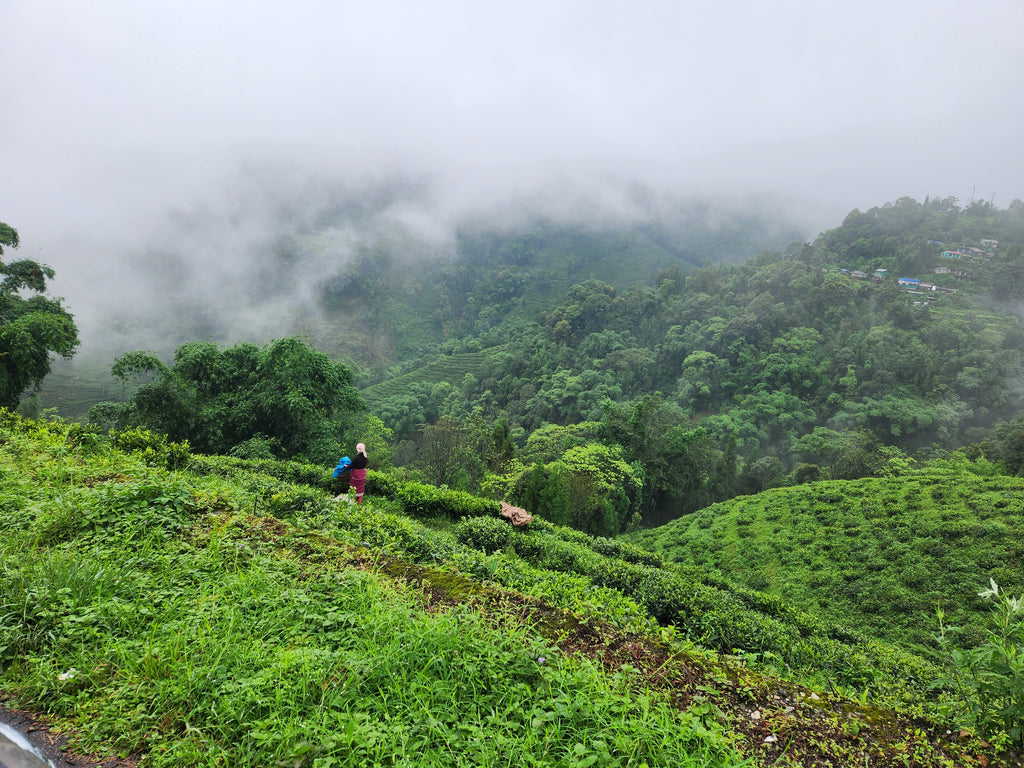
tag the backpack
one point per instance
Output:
(342, 467)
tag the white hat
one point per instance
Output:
(361, 448)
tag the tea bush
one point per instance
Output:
(298, 472)
(709, 610)
(420, 500)
(285, 502)
(155, 448)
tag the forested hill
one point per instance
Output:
(813, 354)
(408, 300)
(888, 337)
(495, 276)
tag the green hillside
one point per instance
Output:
(202, 611)
(803, 354)
(879, 554)
(450, 369)
(74, 386)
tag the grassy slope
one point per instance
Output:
(227, 617)
(879, 554)
(146, 608)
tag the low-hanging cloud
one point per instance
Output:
(154, 146)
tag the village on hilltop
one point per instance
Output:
(917, 287)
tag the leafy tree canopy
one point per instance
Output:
(31, 327)
(285, 398)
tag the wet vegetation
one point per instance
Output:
(777, 511)
(200, 610)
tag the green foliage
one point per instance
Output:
(421, 500)
(155, 448)
(488, 534)
(32, 328)
(257, 447)
(133, 511)
(1010, 445)
(450, 452)
(544, 491)
(8, 237)
(548, 442)
(285, 502)
(756, 355)
(990, 675)
(875, 553)
(285, 396)
(676, 459)
(711, 610)
(590, 487)
(296, 472)
(237, 640)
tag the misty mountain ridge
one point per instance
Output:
(358, 269)
(366, 280)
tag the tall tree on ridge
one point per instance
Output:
(30, 327)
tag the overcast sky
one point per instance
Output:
(117, 112)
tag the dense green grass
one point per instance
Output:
(149, 609)
(252, 663)
(877, 554)
(231, 613)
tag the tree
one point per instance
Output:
(760, 474)
(452, 452)
(288, 396)
(1010, 438)
(503, 448)
(543, 490)
(677, 461)
(604, 491)
(547, 443)
(30, 328)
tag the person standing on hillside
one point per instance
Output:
(358, 478)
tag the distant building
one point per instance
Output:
(986, 243)
(942, 270)
(909, 282)
(978, 252)
(858, 274)
(959, 253)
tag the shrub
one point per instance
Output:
(488, 534)
(422, 500)
(154, 447)
(133, 510)
(628, 552)
(382, 484)
(299, 472)
(292, 499)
